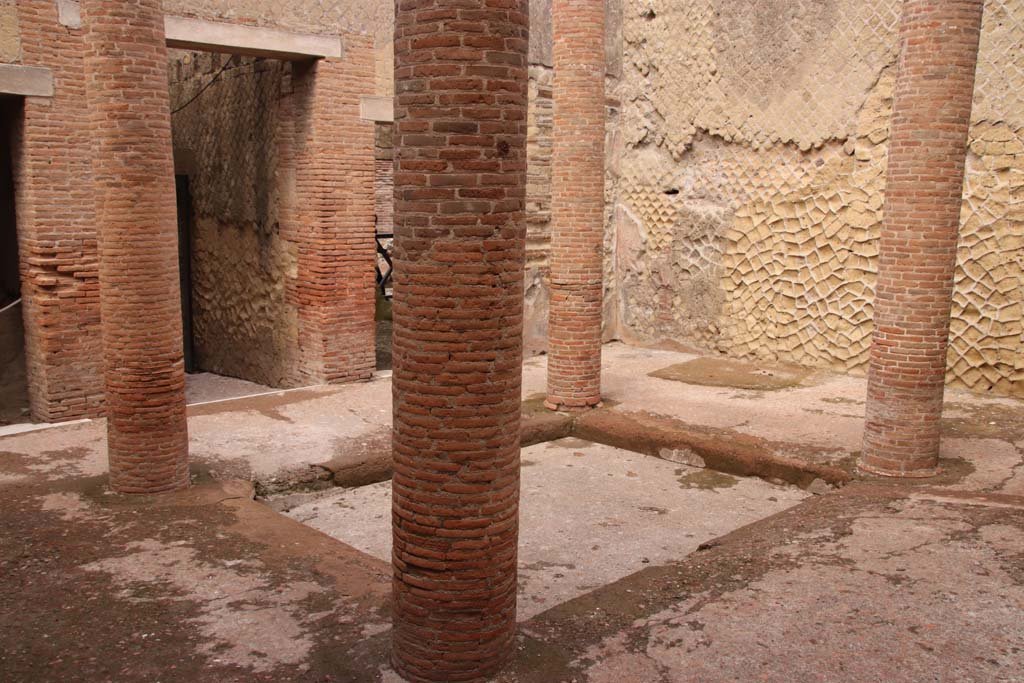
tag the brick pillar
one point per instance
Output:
(577, 205)
(52, 157)
(329, 216)
(917, 255)
(460, 178)
(133, 176)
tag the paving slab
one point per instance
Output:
(891, 582)
(589, 515)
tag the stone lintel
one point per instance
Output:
(210, 36)
(28, 81)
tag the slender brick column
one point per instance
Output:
(917, 256)
(140, 308)
(460, 239)
(577, 205)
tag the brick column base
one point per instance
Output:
(577, 206)
(917, 255)
(140, 303)
(460, 242)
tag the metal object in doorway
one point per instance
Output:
(384, 270)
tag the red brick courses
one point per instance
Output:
(56, 227)
(133, 176)
(927, 152)
(330, 215)
(577, 205)
(460, 177)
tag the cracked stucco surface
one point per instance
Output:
(748, 197)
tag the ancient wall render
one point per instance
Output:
(749, 188)
(10, 41)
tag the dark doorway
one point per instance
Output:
(185, 265)
(13, 384)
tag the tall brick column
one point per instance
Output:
(133, 176)
(577, 205)
(460, 238)
(917, 256)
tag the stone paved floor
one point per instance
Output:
(275, 439)
(206, 387)
(874, 581)
(589, 515)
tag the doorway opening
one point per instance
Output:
(232, 260)
(384, 233)
(14, 402)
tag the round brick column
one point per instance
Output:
(917, 255)
(140, 305)
(577, 205)
(460, 177)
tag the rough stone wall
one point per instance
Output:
(242, 325)
(749, 185)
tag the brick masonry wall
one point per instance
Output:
(56, 226)
(460, 176)
(373, 18)
(328, 213)
(577, 205)
(125, 69)
(283, 196)
(917, 254)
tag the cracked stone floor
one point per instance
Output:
(632, 568)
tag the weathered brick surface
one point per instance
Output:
(133, 176)
(460, 175)
(328, 214)
(55, 223)
(917, 256)
(577, 205)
